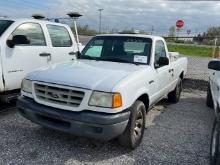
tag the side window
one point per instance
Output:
(59, 35)
(33, 32)
(160, 51)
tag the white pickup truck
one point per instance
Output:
(28, 44)
(107, 91)
(213, 101)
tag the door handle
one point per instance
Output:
(171, 70)
(152, 81)
(44, 54)
(72, 53)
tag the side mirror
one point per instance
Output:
(18, 40)
(163, 61)
(78, 54)
(214, 65)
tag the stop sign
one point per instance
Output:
(179, 24)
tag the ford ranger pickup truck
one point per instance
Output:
(28, 44)
(106, 92)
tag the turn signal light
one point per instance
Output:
(116, 100)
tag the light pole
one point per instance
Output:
(100, 20)
(75, 16)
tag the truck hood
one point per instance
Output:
(88, 74)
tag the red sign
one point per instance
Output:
(179, 24)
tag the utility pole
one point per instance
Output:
(100, 20)
(152, 30)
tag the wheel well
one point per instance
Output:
(182, 75)
(145, 99)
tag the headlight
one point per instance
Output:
(107, 100)
(26, 86)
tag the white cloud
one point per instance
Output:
(142, 14)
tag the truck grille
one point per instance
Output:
(57, 95)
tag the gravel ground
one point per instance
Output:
(175, 134)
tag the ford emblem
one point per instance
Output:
(54, 95)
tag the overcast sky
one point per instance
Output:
(120, 14)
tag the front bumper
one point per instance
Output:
(86, 123)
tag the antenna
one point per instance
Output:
(75, 16)
(38, 16)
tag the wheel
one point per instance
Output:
(209, 100)
(174, 96)
(133, 134)
(214, 145)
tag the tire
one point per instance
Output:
(214, 145)
(174, 96)
(209, 99)
(133, 134)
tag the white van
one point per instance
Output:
(28, 44)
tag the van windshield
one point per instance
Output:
(122, 49)
(4, 24)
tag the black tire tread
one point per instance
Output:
(125, 139)
(209, 99)
(172, 96)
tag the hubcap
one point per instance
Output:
(138, 125)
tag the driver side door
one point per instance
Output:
(23, 59)
(162, 72)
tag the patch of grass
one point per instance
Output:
(191, 50)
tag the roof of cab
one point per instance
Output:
(133, 35)
(31, 20)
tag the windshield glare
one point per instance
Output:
(119, 49)
(4, 24)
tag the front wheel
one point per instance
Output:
(133, 134)
(214, 146)
(174, 96)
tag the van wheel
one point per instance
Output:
(174, 96)
(214, 145)
(209, 99)
(133, 134)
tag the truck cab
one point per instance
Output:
(29, 44)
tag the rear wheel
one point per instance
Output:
(174, 96)
(214, 148)
(133, 134)
(209, 99)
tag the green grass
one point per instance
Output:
(191, 50)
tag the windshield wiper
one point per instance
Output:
(115, 59)
(88, 57)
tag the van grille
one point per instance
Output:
(57, 95)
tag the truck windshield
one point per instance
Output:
(123, 49)
(4, 24)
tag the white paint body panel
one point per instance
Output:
(214, 86)
(130, 80)
(17, 62)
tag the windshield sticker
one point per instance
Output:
(140, 59)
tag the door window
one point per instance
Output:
(160, 51)
(33, 32)
(59, 36)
